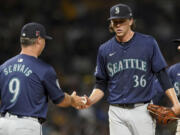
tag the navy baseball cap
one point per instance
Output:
(34, 30)
(120, 11)
(176, 41)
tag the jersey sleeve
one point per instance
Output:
(100, 73)
(52, 86)
(170, 72)
(158, 61)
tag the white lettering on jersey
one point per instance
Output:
(17, 68)
(124, 64)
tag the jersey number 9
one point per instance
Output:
(14, 87)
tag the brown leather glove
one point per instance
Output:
(163, 115)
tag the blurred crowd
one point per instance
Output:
(78, 27)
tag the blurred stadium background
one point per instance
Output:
(78, 28)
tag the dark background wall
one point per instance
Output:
(78, 28)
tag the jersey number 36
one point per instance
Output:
(139, 81)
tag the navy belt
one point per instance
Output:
(130, 106)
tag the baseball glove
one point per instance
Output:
(163, 115)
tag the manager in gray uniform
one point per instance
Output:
(126, 66)
(26, 84)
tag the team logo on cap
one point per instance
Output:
(37, 33)
(117, 10)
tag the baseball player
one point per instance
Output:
(126, 65)
(161, 99)
(26, 82)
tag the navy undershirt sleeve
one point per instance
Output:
(164, 79)
(100, 84)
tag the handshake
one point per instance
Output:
(80, 102)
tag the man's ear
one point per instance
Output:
(131, 22)
(111, 30)
(111, 23)
(38, 40)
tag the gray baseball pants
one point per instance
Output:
(178, 128)
(12, 125)
(134, 121)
